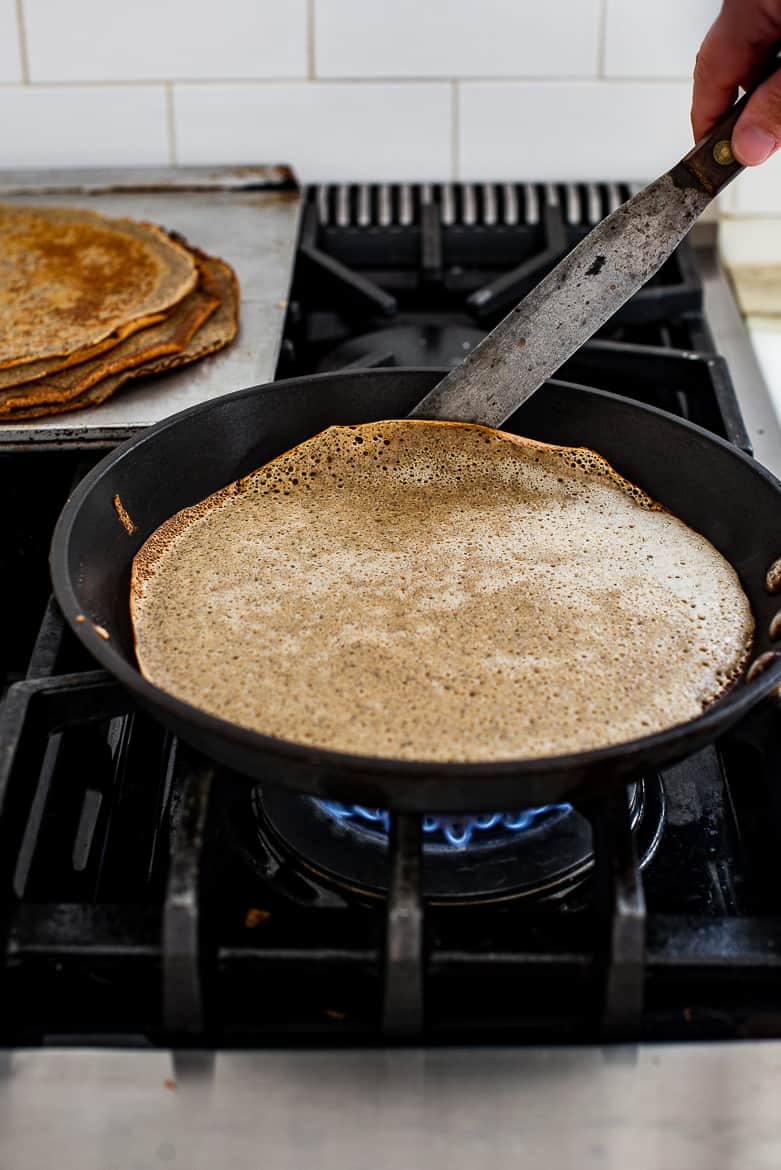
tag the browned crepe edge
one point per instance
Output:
(19, 375)
(168, 292)
(167, 338)
(227, 313)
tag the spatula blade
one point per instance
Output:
(569, 305)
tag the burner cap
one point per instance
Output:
(404, 345)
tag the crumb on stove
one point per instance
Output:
(254, 917)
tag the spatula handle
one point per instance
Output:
(711, 161)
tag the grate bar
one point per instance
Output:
(511, 213)
(342, 205)
(532, 203)
(323, 205)
(384, 206)
(181, 933)
(572, 204)
(364, 205)
(406, 205)
(618, 891)
(448, 204)
(403, 1003)
(594, 204)
(468, 205)
(490, 205)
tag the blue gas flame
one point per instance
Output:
(457, 832)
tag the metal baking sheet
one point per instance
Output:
(248, 216)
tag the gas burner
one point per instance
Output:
(538, 854)
(405, 345)
(484, 831)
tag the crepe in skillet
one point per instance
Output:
(438, 591)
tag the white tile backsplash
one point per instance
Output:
(100, 40)
(348, 89)
(456, 38)
(571, 130)
(325, 130)
(659, 39)
(10, 46)
(757, 191)
(91, 126)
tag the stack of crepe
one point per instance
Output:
(88, 302)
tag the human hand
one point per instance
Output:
(736, 47)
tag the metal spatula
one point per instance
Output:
(587, 287)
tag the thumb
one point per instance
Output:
(757, 133)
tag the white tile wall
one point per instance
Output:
(557, 130)
(102, 40)
(456, 38)
(89, 126)
(361, 88)
(658, 39)
(757, 190)
(327, 131)
(10, 47)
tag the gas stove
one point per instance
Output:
(152, 900)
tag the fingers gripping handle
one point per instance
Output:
(711, 161)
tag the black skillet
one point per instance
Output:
(711, 485)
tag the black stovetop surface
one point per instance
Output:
(145, 896)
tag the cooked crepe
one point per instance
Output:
(217, 304)
(441, 592)
(22, 374)
(168, 337)
(70, 279)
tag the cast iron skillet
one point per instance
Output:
(708, 483)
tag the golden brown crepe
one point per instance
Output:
(22, 374)
(214, 329)
(441, 592)
(71, 279)
(170, 336)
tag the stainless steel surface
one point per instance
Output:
(255, 230)
(684, 1107)
(567, 307)
(733, 342)
(95, 180)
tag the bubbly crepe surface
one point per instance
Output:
(438, 591)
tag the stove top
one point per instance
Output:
(148, 896)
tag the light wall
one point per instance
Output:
(359, 89)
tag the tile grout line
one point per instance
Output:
(170, 114)
(23, 50)
(310, 40)
(601, 39)
(358, 82)
(455, 129)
